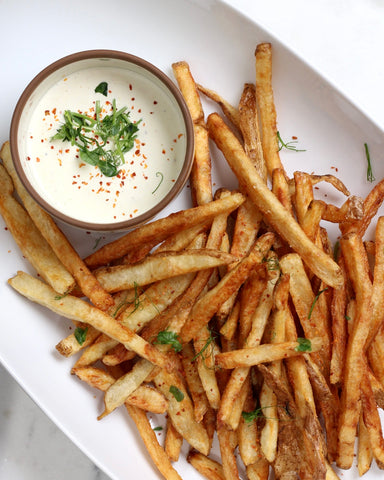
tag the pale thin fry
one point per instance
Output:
(57, 240)
(231, 112)
(229, 327)
(173, 442)
(198, 395)
(122, 388)
(96, 351)
(247, 433)
(157, 453)
(181, 411)
(184, 78)
(318, 261)
(228, 457)
(32, 244)
(208, 467)
(163, 228)
(357, 267)
(159, 267)
(280, 188)
(264, 94)
(77, 309)
(208, 305)
(248, 357)
(351, 210)
(258, 470)
(315, 179)
(249, 126)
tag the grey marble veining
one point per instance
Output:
(32, 446)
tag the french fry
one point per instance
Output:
(79, 310)
(57, 240)
(227, 448)
(249, 126)
(357, 267)
(264, 94)
(188, 88)
(364, 452)
(274, 212)
(122, 388)
(173, 442)
(32, 244)
(159, 267)
(280, 188)
(248, 357)
(157, 453)
(231, 112)
(209, 468)
(181, 411)
(208, 305)
(201, 175)
(163, 228)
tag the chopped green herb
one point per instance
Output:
(97, 241)
(314, 302)
(102, 88)
(178, 394)
(304, 345)
(167, 337)
(250, 416)
(370, 176)
(272, 263)
(159, 174)
(288, 145)
(158, 429)
(81, 334)
(348, 318)
(92, 134)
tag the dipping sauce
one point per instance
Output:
(80, 190)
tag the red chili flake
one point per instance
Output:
(47, 112)
(42, 140)
(133, 99)
(37, 159)
(137, 152)
(28, 159)
(74, 183)
(145, 157)
(133, 174)
(155, 102)
(163, 151)
(180, 135)
(67, 150)
(294, 137)
(139, 110)
(52, 147)
(130, 86)
(54, 111)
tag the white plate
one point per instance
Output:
(219, 45)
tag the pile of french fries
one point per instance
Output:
(236, 318)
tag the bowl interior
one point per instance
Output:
(156, 167)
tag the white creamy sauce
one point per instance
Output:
(81, 190)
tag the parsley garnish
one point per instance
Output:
(288, 145)
(250, 416)
(81, 334)
(370, 176)
(102, 88)
(92, 134)
(158, 429)
(167, 337)
(304, 345)
(178, 394)
(314, 303)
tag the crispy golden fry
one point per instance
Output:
(189, 90)
(209, 468)
(265, 101)
(364, 452)
(173, 442)
(280, 188)
(227, 447)
(69, 345)
(163, 228)
(201, 175)
(229, 327)
(351, 210)
(339, 329)
(208, 305)
(274, 212)
(372, 204)
(77, 309)
(157, 453)
(315, 179)
(57, 240)
(159, 267)
(372, 419)
(248, 357)
(249, 126)
(357, 267)
(258, 470)
(313, 318)
(231, 112)
(32, 244)
(198, 395)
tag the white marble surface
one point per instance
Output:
(343, 39)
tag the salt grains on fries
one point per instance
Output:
(229, 317)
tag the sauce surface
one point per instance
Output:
(80, 190)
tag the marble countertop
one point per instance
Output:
(340, 38)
